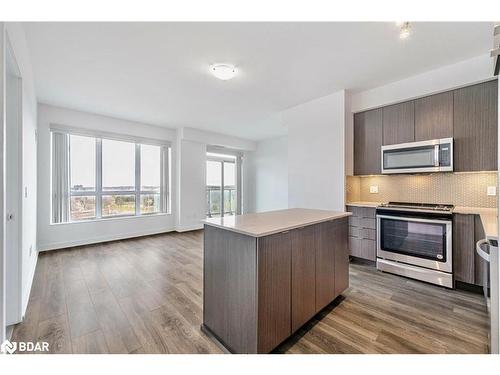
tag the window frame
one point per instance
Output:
(98, 193)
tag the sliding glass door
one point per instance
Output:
(221, 185)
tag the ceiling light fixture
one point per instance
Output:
(405, 30)
(223, 71)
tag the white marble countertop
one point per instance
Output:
(266, 223)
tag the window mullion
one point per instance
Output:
(137, 179)
(222, 210)
(98, 178)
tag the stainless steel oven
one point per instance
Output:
(415, 242)
(414, 157)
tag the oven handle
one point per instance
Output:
(402, 218)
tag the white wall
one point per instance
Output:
(191, 184)
(71, 234)
(316, 153)
(265, 176)
(16, 36)
(442, 79)
(191, 171)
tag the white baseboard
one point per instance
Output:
(89, 241)
(189, 228)
(25, 301)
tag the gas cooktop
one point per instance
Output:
(434, 207)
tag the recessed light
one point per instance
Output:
(405, 30)
(223, 71)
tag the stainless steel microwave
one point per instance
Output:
(418, 157)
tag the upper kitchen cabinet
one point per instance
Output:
(399, 123)
(475, 127)
(434, 117)
(367, 142)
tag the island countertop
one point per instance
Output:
(271, 222)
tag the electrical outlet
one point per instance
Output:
(492, 190)
(374, 189)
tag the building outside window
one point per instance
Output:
(107, 177)
(222, 185)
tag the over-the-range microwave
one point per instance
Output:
(418, 157)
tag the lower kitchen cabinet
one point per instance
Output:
(341, 251)
(275, 293)
(362, 232)
(328, 240)
(319, 255)
(467, 265)
(260, 290)
(304, 249)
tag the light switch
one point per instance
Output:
(374, 189)
(492, 190)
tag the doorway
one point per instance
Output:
(222, 185)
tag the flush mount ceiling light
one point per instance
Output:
(223, 71)
(405, 30)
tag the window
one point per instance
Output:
(82, 178)
(107, 178)
(150, 179)
(221, 185)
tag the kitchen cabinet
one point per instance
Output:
(463, 248)
(467, 265)
(325, 263)
(469, 115)
(362, 232)
(341, 255)
(399, 123)
(274, 299)
(304, 249)
(367, 142)
(332, 256)
(434, 117)
(262, 286)
(475, 113)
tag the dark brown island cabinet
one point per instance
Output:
(265, 275)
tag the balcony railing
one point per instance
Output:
(213, 199)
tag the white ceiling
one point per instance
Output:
(157, 73)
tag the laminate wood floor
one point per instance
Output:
(144, 295)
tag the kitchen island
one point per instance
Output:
(267, 274)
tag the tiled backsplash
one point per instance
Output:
(460, 189)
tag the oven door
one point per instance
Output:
(417, 241)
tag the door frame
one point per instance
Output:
(13, 257)
(236, 160)
(2, 182)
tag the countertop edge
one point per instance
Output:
(363, 204)
(340, 215)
